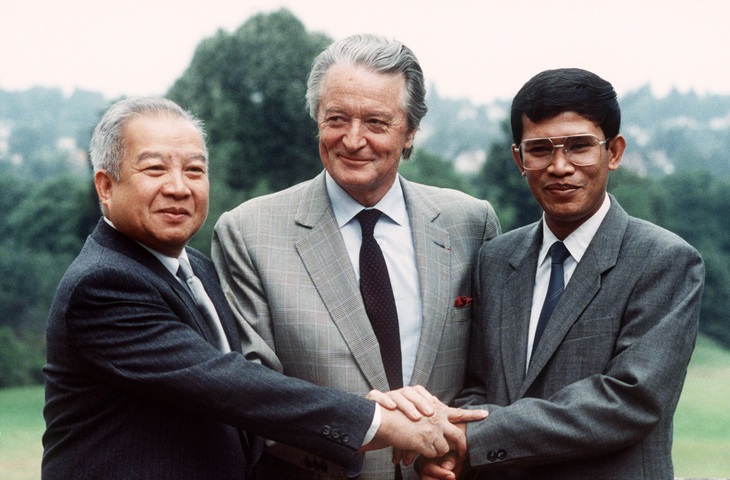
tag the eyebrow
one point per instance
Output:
(194, 156)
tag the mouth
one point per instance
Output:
(561, 188)
(348, 159)
(174, 213)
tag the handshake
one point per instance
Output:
(414, 422)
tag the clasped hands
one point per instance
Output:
(414, 422)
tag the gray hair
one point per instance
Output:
(379, 55)
(107, 143)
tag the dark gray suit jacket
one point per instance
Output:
(135, 390)
(598, 398)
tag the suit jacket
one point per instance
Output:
(135, 390)
(598, 397)
(285, 270)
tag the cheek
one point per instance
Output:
(328, 136)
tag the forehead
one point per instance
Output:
(561, 125)
(358, 85)
(161, 129)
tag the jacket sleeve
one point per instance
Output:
(134, 334)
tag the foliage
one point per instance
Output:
(500, 182)
(430, 169)
(19, 364)
(46, 224)
(249, 88)
(47, 131)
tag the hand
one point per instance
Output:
(448, 467)
(431, 436)
(414, 401)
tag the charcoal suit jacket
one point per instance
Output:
(136, 390)
(597, 400)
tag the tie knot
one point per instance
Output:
(368, 219)
(558, 252)
(185, 270)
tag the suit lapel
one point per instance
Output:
(325, 258)
(516, 305)
(433, 262)
(114, 240)
(601, 255)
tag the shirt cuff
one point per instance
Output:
(370, 434)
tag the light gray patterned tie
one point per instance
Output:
(204, 303)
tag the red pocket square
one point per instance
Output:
(462, 301)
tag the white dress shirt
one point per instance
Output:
(393, 233)
(577, 244)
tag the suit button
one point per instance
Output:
(501, 454)
(345, 438)
(335, 434)
(326, 430)
(492, 456)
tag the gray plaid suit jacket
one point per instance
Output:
(598, 397)
(286, 273)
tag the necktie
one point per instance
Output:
(558, 255)
(204, 303)
(377, 294)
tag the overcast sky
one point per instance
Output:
(480, 49)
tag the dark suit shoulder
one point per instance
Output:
(510, 241)
(654, 236)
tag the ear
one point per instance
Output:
(409, 139)
(616, 149)
(103, 183)
(518, 159)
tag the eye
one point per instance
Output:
(538, 149)
(196, 169)
(377, 124)
(580, 144)
(155, 169)
(335, 120)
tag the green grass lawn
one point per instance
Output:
(702, 421)
(21, 427)
(701, 429)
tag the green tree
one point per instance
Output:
(249, 88)
(49, 217)
(500, 182)
(430, 169)
(640, 196)
(19, 364)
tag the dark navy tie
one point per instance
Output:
(377, 294)
(558, 255)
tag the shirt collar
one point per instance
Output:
(170, 263)
(578, 241)
(393, 204)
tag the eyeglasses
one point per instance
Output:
(580, 150)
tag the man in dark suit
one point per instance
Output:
(144, 377)
(589, 390)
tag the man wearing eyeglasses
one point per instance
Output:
(586, 320)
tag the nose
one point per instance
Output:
(560, 164)
(176, 184)
(353, 139)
